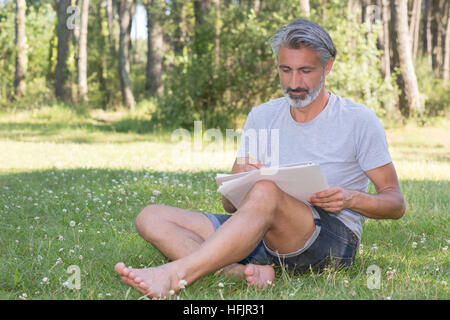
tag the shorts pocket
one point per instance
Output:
(351, 241)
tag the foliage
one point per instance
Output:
(435, 93)
(197, 88)
(216, 73)
(39, 33)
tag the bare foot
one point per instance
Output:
(260, 276)
(152, 282)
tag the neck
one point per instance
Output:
(308, 113)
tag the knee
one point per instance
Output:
(148, 218)
(265, 191)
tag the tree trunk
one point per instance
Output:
(386, 58)
(110, 18)
(155, 48)
(438, 33)
(304, 6)
(179, 20)
(354, 9)
(201, 8)
(64, 34)
(103, 41)
(429, 35)
(217, 4)
(124, 61)
(414, 27)
(21, 53)
(409, 97)
(447, 50)
(82, 53)
(257, 6)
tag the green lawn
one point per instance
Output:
(71, 188)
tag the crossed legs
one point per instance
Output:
(188, 239)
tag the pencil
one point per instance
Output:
(251, 156)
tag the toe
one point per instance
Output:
(120, 268)
(249, 270)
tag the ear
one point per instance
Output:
(329, 66)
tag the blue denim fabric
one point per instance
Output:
(335, 245)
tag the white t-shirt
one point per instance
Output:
(345, 139)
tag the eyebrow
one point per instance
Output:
(282, 66)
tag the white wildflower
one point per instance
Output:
(182, 283)
(72, 223)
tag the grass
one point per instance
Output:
(71, 187)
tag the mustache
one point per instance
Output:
(297, 90)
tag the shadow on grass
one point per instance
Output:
(83, 132)
(89, 131)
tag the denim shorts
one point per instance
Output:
(333, 243)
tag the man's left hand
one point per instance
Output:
(333, 199)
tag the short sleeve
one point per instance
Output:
(248, 142)
(371, 143)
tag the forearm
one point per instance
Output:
(388, 204)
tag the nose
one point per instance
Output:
(296, 81)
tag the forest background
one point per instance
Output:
(177, 61)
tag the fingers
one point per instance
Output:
(327, 193)
(331, 199)
(335, 206)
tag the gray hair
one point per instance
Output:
(301, 32)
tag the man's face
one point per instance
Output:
(301, 75)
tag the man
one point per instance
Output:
(270, 227)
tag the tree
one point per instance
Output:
(21, 54)
(155, 46)
(179, 17)
(414, 27)
(201, 9)
(447, 50)
(428, 35)
(304, 6)
(64, 34)
(110, 19)
(386, 58)
(125, 9)
(82, 52)
(409, 97)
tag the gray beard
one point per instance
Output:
(305, 99)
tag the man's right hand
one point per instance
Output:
(241, 165)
